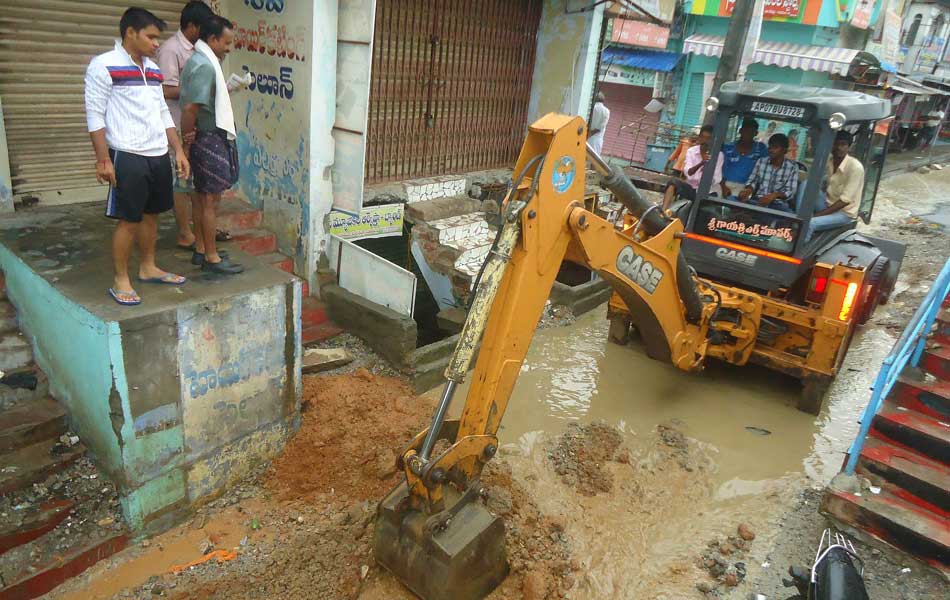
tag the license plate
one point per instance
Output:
(779, 110)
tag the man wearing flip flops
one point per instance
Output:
(131, 130)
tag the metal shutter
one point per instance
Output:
(626, 104)
(693, 113)
(450, 85)
(45, 46)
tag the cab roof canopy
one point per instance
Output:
(855, 106)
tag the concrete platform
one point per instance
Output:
(177, 397)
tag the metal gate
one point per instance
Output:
(45, 46)
(450, 85)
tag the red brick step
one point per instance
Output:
(318, 333)
(914, 430)
(893, 521)
(235, 214)
(929, 398)
(936, 361)
(31, 422)
(43, 520)
(313, 312)
(280, 261)
(255, 241)
(912, 476)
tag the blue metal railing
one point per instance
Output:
(908, 349)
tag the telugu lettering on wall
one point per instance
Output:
(372, 222)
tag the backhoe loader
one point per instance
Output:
(433, 531)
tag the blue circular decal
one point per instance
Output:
(563, 175)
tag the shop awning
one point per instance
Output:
(792, 56)
(639, 59)
(909, 86)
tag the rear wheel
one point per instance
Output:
(619, 332)
(813, 394)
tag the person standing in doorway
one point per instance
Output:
(207, 125)
(172, 56)
(599, 116)
(934, 121)
(131, 130)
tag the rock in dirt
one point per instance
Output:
(731, 579)
(746, 532)
(580, 456)
(534, 586)
(316, 360)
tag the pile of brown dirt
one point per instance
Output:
(351, 430)
(322, 498)
(582, 452)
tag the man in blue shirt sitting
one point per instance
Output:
(741, 157)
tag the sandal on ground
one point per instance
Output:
(167, 279)
(125, 298)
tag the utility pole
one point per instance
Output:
(733, 46)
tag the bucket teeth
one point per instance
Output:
(464, 560)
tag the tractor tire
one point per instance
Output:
(813, 394)
(874, 285)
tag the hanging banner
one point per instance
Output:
(372, 222)
(805, 12)
(661, 10)
(861, 17)
(638, 33)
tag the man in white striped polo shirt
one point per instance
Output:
(131, 130)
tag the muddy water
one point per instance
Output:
(752, 445)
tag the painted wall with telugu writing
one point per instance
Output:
(273, 42)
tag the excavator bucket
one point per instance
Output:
(462, 559)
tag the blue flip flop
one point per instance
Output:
(115, 296)
(167, 279)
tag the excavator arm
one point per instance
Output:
(432, 533)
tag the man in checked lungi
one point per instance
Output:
(207, 126)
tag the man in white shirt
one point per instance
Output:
(131, 129)
(934, 120)
(844, 184)
(599, 116)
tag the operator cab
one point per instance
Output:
(765, 248)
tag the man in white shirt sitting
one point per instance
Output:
(844, 184)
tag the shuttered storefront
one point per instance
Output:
(45, 46)
(693, 113)
(451, 81)
(631, 127)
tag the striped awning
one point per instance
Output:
(779, 54)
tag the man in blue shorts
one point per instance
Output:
(131, 130)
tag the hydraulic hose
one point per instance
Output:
(653, 222)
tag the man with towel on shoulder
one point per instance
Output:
(207, 127)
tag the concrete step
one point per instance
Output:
(911, 476)
(280, 261)
(8, 320)
(914, 430)
(929, 398)
(25, 466)
(318, 333)
(255, 241)
(418, 190)
(427, 211)
(37, 578)
(892, 521)
(15, 352)
(234, 214)
(936, 361)
(30, 423)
